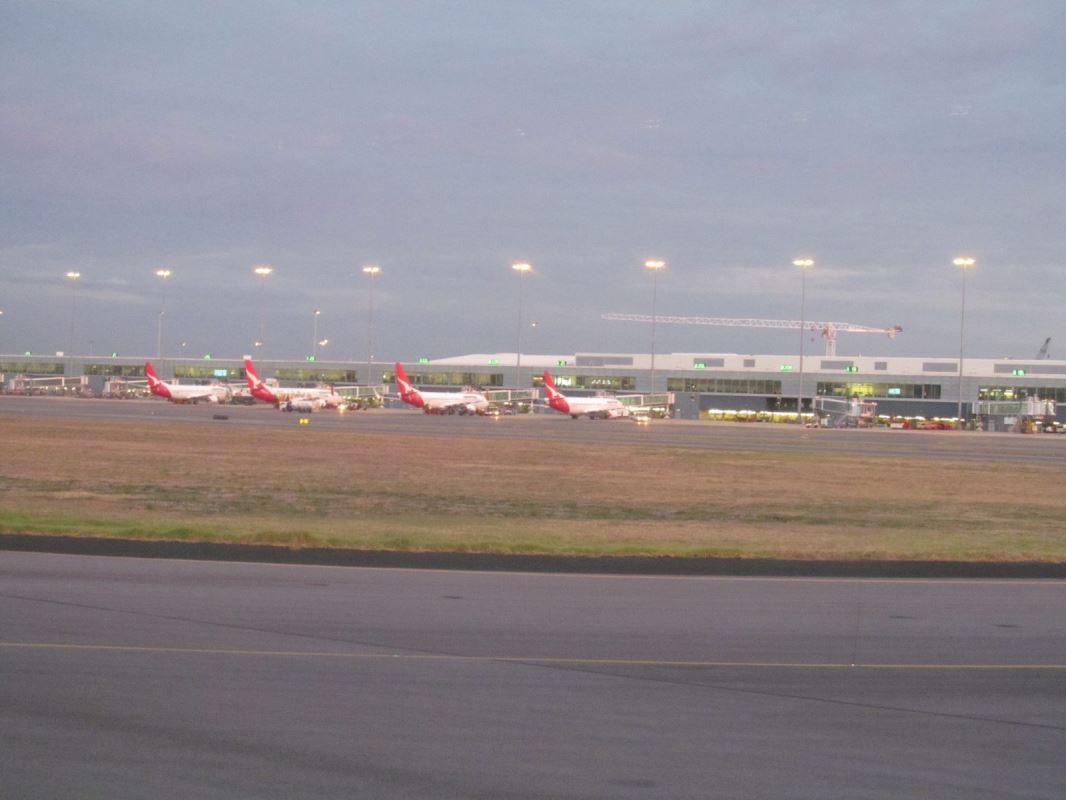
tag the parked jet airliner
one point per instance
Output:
(591, 407)
(311, 399)
(185, 393)
(465, 402)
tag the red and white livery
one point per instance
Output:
(464, 402)
(308, 399)
(185, 393)
(591, 407)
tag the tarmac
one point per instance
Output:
(130, 678)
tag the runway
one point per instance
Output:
(550, 426)
(148, 678)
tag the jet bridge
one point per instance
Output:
(840, 412)
(358, 397)
(362, 392)
(647, 402)
(1016, 416)
(503, 397)
(50, 384)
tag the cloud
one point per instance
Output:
(445, 141)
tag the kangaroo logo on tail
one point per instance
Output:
(155, 385)
(255, 385)
(556, 399)
(408, 393)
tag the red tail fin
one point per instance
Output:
(408, 393)
(402, 383)
(255, 385)
(155, 385)
(549, 384)
(250, 374)
(556, 399)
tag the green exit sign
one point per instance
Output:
(699, 365)
(310, 358)
(851, 368)
(423, 360)
(207, 356)
(561, 362)
(1017, 372)
(786, 368)
(493, 362)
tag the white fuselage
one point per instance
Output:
(609, 407)
(442, 401)
(191, 393)
(302, 404)
(317, 394)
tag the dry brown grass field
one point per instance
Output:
(301, 487)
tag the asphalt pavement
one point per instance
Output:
(133, 678)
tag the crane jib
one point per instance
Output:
(828, 330)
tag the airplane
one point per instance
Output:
(591, 407)
(186, 393)
(306, 400)
(464, 402)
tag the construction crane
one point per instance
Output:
(1043, 353)
(828, 330)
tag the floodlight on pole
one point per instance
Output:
(262, 270)
(163, 273)
(314, 336)
(656, 266)
(521, 267)
(372, 270)
(73, 277)
(804, 264)
(965, 264)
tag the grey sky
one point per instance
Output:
(446, 140)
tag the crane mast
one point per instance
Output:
(828, 330)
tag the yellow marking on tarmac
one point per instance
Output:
(549, 660)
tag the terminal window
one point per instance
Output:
(112, 370)
(443, 378)
(917, 391)
(1056, 393)
(724, 385)
(32, 367)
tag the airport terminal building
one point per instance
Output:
(699, 384)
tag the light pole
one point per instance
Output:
(656, 266)
(965, 264)
(314, 337)
(262, 270)
(73, 278)
(521, 268)
(804, 264)
(164, 274)
(372, 270)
